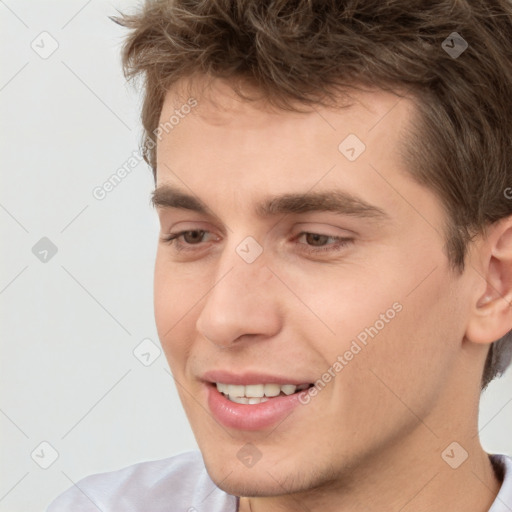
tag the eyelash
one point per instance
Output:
(341, 242)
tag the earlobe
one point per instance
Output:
(491, 319)
(491, 315)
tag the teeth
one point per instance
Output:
(245, 400)
(235, 390)
(257, 400)
(254, 390)
(239, 399)
(272, 389)
(257, 391)
(288, 389)
(223, 388)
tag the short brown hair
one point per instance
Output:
(305, 52)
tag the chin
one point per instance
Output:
(264, 479)
(260, 484)
(249, 487)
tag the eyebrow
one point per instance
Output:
(337, 201)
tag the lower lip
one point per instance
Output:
(250, 416)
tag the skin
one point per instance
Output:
(372, 439)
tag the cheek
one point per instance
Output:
(383, 317)
(413, 357)
(342, 303)
(177, 296)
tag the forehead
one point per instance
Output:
(219, 104)
(224, 134)
(221, 119)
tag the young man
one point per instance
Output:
(334, 276)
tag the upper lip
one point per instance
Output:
(246, 378)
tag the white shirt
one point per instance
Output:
(181, 484)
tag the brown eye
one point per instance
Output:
(316, 240)
(320, 244)
(193, 237)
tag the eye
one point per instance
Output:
(193, 237)
(318, 242)
(183, 238)
(316, 239)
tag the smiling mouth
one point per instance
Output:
(257, 393)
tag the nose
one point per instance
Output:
(242, 302)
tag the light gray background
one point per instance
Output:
(70, 325)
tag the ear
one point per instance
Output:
(491, 312)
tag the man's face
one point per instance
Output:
(300, 290)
